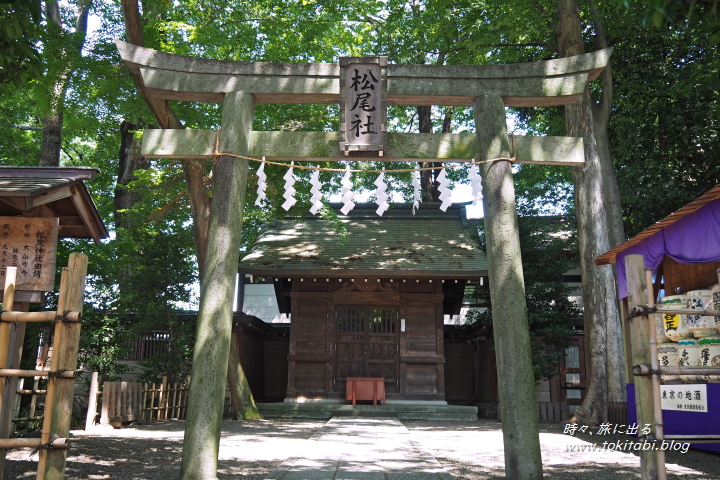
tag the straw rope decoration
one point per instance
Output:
(347, 194)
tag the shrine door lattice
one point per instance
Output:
(367, 345)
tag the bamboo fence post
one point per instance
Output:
(92, 401)
(176, 400)
(33, 401)
(181, 395)
(59, 399)
(123, 397)
(641, 354)
(105, 409)
(144, 401)
(139, 401)
(152, 403)
(655, 364)
(8, 300)
(172, 397)
(162, 402)
(18, 397)
(5, 405)
(10, 443)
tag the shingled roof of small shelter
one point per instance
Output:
(53, 191)
(431, 243)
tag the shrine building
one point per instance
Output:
(367, 295)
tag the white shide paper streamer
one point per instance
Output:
(416, 191)
(317, 195)
(289, 190)
(346, 192)
(475, 183)
(261, 183)
(380, 195)
(444, 189)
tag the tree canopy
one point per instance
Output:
(65, 96)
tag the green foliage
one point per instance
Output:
(156, 270)
(102, 344)
(549, 250)
(174, 358)
(19, 58)
(663, 130)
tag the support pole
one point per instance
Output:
(655, 364)
(640, 333)
(507, 293)
(60, 391)
(8, 352)
(210, 358)
(8, 301)
(92, 402)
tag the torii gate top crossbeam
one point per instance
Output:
(178, 77)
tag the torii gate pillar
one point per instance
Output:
(516, 385)
(212, 346)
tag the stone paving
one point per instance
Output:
(363, 448)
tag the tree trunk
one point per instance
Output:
(130, 161)
(51, 140)
(600, 299)
(244, 403)
(601, 117)
(60, 47)
(194, 176)
(428, 183)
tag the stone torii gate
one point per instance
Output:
(487, 88)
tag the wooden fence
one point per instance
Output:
(132, 401)
(148, 345)
(548, 412)
(555, 412)
(617, 413)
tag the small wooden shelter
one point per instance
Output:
(38, 205)
(367, 296)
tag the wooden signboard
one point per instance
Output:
(30, 244)
(363, 104)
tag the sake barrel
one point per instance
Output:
(675, 325)
(710, 355)
(689, 356)
(659, 328)
(716, 303)
(668, 357)
(699, 325)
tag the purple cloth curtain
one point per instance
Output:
(693, 239)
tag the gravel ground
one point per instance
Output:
(253, 449)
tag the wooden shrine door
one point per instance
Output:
(367, 345)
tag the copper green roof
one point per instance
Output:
(431, 243)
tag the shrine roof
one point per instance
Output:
(431, 243)
(53, 192)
